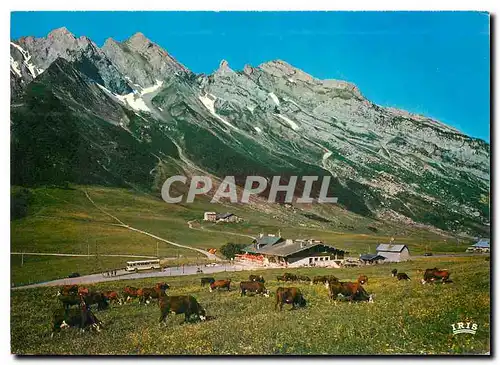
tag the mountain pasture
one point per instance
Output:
(406, 317)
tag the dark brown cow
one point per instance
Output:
(291, 296)
(258, 278)
(186, 304)
(75, 317)
(146, 295)
(351, 291)
(287, 277)
(304, 278)
(69, 300)
(431, 275)
(323, 279)
(205, 281)
(220, 284)
(95, 297)
(253, 287)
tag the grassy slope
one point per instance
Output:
(407, 317)
(64, 221)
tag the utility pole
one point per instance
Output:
(88, 250)
(157, 252)
(22, 258)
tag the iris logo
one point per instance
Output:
(467, 327)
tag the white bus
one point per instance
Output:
(143, 265)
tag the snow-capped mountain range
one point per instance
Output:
(128, 113)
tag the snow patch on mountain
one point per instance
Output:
(209, 102)
(14, 66)
(292, 124)
(275, 98)
(34, 71)
(134, 99)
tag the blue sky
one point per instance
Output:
(433, 63)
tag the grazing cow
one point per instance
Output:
(258, 278)
(287, 277)
(145, 295)
(96, 298)
(129, 293)
(352, 291)
(205, 281)
(291, 296)
(402, 276)
(323, 279)
(304, 278)
(69, 300)
(431, 275)
(113, 297)
(186, 304)
(68, 290)
(81, 317)
(220, 284)
(253, 287)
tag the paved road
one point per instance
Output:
(124, 275)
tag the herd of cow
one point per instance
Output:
(82, 298)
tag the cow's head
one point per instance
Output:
(362, 279)
(394, 272)
(302, 301)
(371, 298)
(64, 325)
(202, 314)
(267, 293)
(423, 281)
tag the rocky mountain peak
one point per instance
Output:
(138, 41)
(224, 67)
(60, 32)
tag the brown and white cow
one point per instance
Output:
(186, 304)
(253, 287)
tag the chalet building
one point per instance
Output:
(393, 253)
(274, 250)
(483, 245)
(371, 258)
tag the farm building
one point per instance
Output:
(210, 216)
(227, 217)
(483, 245)
(393, 253)
(220, 217)
(371, 258)
(294, 253)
